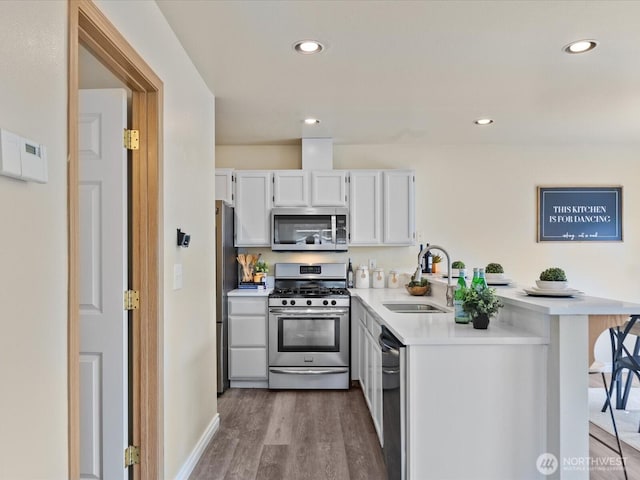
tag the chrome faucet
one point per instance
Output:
(418, 275)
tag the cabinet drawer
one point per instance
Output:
(247, 363)
(247, 306)
(248, 331)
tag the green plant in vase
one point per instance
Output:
(260, 270)
(481, 304)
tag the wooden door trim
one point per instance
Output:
(89, 26)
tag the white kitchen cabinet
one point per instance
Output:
(365, 207)
(224, 185)
(328, 188)
(304, 188)
(252, 208)
(369, 362)
(290, 188)
(398, 211)
(247, 338)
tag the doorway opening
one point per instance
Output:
(90, 28)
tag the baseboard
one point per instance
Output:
(196, 453)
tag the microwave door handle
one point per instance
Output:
(333, 230)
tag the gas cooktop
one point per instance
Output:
(312, 292)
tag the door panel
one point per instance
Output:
(103, 279)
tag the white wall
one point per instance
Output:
(479, 202)
(188, 189)
(33, 239)
(33, 246)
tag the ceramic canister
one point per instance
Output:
(394, 279)
(378, 278)
(362, 277)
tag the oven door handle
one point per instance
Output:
(286, 371)
(321, 312)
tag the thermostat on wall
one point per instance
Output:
(22, 158)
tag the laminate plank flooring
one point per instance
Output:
(324, 435)
(292, 435)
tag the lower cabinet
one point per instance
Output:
(248, 338)
(370, 363)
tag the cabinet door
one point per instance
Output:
(399, 207)
(328, 188)
(363, 353)
(247, 363)
(224, 185)
(290, 188)
(365, 207)
(253, 208)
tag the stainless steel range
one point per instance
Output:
(309, 326)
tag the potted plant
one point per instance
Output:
(260, 270)
(435, 260)
(456, 266)
(480, 304)
(552, 278)
(493, 272)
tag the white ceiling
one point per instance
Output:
(417, 72)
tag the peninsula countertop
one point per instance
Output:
(437, 328)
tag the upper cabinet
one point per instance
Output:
(381, 202)
(290, 188)
(328, 188)
(252, 208)
(224, 185)
(303, 188)
(382, 207)
(398, 210)
(365, 207)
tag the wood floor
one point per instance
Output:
(323, 435)
(292, 435)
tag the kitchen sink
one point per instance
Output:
(413, 308)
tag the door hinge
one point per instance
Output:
(132, 139)
(131, 456)
(131, 300)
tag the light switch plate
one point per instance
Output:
(177, 276)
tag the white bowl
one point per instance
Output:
(547, 285)
(493, 277)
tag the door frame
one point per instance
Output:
(91, 28)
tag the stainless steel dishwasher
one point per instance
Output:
(393, 404)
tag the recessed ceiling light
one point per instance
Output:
(308, 47)
(581, 46)
(483, 121)
(311, 121)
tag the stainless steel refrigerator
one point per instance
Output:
(226, 280)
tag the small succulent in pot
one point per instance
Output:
(456, 266)
(260, 270)
(494, 272)
(552, 278)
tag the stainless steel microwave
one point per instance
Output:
(310, 229)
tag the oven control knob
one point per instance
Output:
(293, 302)
(284, 302)
(325, 302)
(308, 302)
(333, 302)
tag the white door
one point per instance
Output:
(103, 279)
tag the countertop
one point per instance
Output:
(437, 328)
(249, 292)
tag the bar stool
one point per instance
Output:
(623, 359)
(599, 367)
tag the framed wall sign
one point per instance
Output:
(579, 214)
